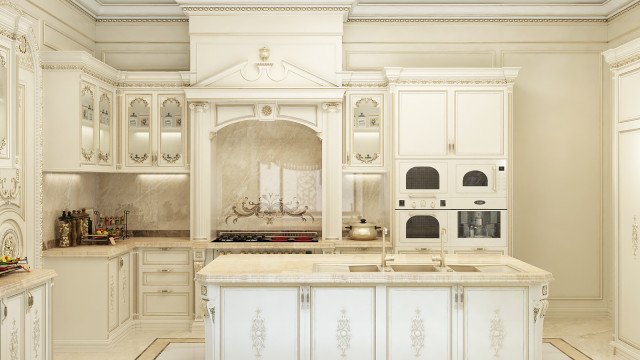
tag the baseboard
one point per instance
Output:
(555, 312)
(95, 345)
(623, 351)
(152, 324)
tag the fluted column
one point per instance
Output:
(200, 172)
(332, 171)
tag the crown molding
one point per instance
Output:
(359, 12)
(623, 55)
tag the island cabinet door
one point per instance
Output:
(495, 323)
(259, 323)
(419, 321)
(343, 323)
(12, 327)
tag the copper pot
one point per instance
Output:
(363, 230)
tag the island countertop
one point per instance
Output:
(297, 269)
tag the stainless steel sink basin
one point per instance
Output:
(364, 268)
(463, 268)
(414, 268)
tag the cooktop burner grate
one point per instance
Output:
(267, 236)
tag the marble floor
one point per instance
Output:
(591, 336)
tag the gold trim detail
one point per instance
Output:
(137, 158)
(265, 8)
(366, 84)
(269, 207)
(367, 159)
(479, 20)
(142, 20)
(171, 159)
(634, 236)
(3, 144)
(104, 156)
(9, 195)
(266, 110)
(88, 156)
(123, 84)
(625, 62)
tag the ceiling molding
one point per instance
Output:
(359, 11)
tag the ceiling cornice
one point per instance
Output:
(366, 12)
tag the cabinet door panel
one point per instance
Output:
(124, 288)
(112, 283)
(495, 323)
(628, 253)
(165, 303)
(36, 324)
(343, 323)
(419, 323)
(12, 330)
(479, 123)
(139, 131)
(422, 123)
(260, 323)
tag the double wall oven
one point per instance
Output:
(463, 201)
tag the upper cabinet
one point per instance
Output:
(445, 113)
(365, 131)
(155, 132)
(142, 129)
(445, 122)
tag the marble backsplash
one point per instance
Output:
(364, 197)
(157, 202)
(267, 161)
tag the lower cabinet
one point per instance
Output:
(260, 323)
(24, 325)
(343, 323)
(419, 322)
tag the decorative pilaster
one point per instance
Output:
(200, 172)
(332, 171)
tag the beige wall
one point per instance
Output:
(59, 25)
(557, 132)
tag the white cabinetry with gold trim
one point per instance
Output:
(154, 132)
(625, 65)
(366, 131)
(80, 131)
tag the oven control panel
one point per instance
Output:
(452, 203)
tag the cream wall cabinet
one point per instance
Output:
(80, 132)
(154, 132)
(451, 122)
(375, 322)
(625, 67)
(165, 284)
(25, 324)
(366, 131)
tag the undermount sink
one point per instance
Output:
(364, 268)
(463, 268)
(414, 268)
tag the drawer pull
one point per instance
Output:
(30, 300)
(164, 291)
(165, 270)
(164, 249)
(121, 262)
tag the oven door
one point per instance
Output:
(478, 228)
(481, 177)
(420, 228)
(420, 180)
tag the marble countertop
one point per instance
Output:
(123, 246)
(297, 269)
(18, 281)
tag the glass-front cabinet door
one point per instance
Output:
(171, 142)
(365, 136)
(139, 131)
(88, 95)
(105, 126)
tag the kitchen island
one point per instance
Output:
(345, 307)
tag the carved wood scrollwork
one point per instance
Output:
(87, 155)
(497, 333)
(171, 158)
(11, 194)
(139, 158)
(634, 236)
(343, 333)
(258, 333)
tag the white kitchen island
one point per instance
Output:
(331, 307)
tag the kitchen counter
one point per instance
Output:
(250, 302)
(19, 281)
(282, 269)
(123, 246)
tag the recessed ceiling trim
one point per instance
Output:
(508, 10)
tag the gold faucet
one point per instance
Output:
(383, 264)
(441, 258)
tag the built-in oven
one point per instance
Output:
(419, 183)
(420, 228)
(475, 177)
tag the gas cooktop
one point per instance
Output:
(274, 237)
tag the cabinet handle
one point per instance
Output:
(164, 291)
(495, 178)
(5, 311)
(166, 270)
(121, 262)
(30, 300)
(164, 249)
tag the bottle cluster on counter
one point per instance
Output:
(77, 227)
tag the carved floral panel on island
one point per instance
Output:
(267, 176)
